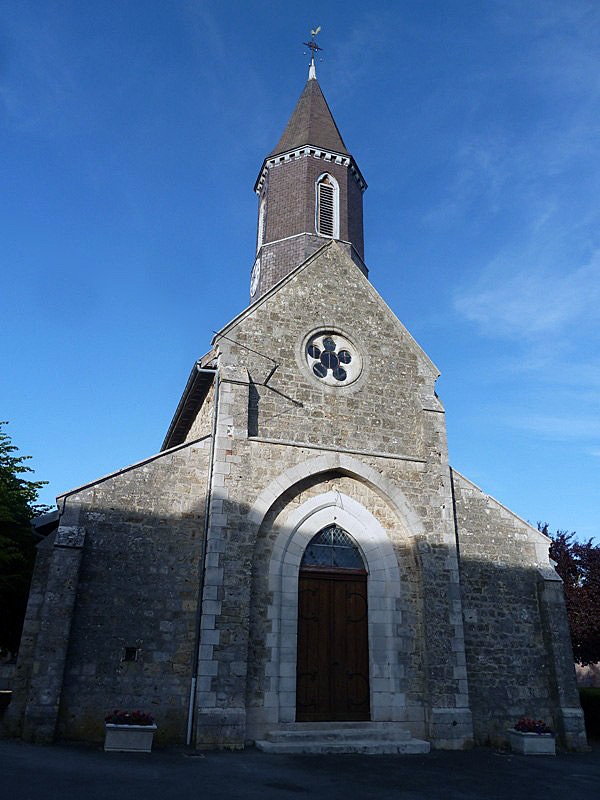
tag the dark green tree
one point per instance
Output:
(578, 564)
(18, 506)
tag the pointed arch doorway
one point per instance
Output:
(332, 672)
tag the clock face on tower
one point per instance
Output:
(254, 277)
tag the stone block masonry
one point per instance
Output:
(466, 623)
(519, 656)
(117, 627)
(302, 427)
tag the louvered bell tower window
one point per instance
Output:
(327, 207)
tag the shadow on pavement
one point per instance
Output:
(51, 772)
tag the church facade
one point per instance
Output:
(299, 555)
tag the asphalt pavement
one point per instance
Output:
(82, 772)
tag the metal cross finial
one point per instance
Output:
(312, 45)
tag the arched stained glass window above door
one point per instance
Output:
(332, 548)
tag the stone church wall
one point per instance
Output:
(392, 425)
(299, 409)
(163, 593)
(514, 646)
(452, 629)
(202, 425)
(138, 540)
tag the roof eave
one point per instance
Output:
(194, 394)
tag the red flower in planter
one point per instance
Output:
(118, 717)
(528, 725)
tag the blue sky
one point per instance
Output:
(131, 134)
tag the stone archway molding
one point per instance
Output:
(388, 702)
(346, 465)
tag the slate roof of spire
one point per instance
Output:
(311, 123)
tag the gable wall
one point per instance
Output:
(280, 258)
(510, 666)
(138, 587)
(383, 413)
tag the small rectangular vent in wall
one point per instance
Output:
(130, 654)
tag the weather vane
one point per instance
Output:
(312, 45)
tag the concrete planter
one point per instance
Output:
(128, 738)
(532, 744)
(5, 698)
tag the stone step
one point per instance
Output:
(338, 734)
(336, 725)
(368, 738)
(371, 747)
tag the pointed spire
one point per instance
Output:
(311, 122)
(309, 188)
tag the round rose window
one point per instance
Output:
(333, 359)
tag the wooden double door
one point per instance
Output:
(332, 676)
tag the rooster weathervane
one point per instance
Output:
(312, 45)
